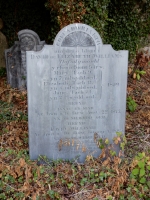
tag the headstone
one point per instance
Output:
(76, 89)
(3, 46)
(13, 65)
(16, 57)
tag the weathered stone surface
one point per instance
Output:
(3, 46)
(76, 88)
(16, 57)
(1, 23)
(13, 63)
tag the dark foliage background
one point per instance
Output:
(123, 24)
(27, 14)
(130, 24)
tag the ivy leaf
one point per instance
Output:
(135, 171)
(119, 134)
(122, 145)
(148, 167)
(138, 77)
(106, 141)
(141, 164)
(142, 72)
(70, 185)
(129, 189)
(142, 172)
(131, 108)
(143, 180)
(148, 183)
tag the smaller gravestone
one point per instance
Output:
(3, 46)
(13, 63)
(16, 57)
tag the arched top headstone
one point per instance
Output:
(78, 35)
(1, 23)
(16, 57)
(28, 39)
(76, 94)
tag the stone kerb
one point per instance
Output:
(76, 89)
(16, 57)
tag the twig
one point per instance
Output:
(146, 142)
(10, 186)
(5, 91)
(80, 191)
(145, 107)
(14, 188)
(147, 137)
(101, 198)
(2, 141)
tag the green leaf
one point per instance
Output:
(106, 141)
(143, 180)
(128, 189)
(122, 145)
(142, 172)
(141, 164)
(142, 72)
(135, 171)
(148, 184)
(70, 185)
(92, 175)
(148, 167)
(113, 153)
(138, 77)
(118, 134)
(141, 155)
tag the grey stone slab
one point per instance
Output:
(3, 46)
(13, 65)
(76, 88)
(16, 57)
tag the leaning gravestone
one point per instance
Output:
(76, 88)
(16, 57)
(3, 46)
